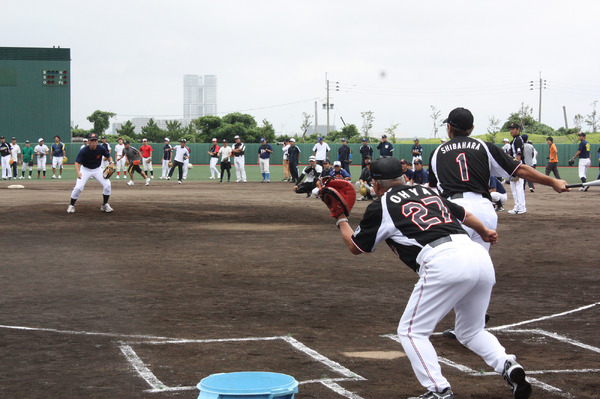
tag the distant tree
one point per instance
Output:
(578, 121)
(77, 132)
(267, 131)
(593, 119)
(493, 129)
(306, 122)
(391, 132)
(435, 116)
(127, 129)
(174, 130)
(368, 119)
(348, 132)
(100, 119)
(523, 117)
(207, 126)
(246, 120)
(152, 132)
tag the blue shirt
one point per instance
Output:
(167, 152)
(417, 147)
(420, 177)
(409, 174)
(92, 159)
(342, 172)
(584, 147)
(495, 183)
(57, 149)
(262, 150)
(385, 149)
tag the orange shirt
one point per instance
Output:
(146, 150)
(553, 153)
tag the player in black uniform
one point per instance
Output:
(424, 231)
(461, 170)
(312, 173)
(365, 151)
(345, 156)
(294, 158)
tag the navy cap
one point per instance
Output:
(460, 118)
(365, 139)
(514, 126)
(92, 136)
(524, 137)
(581, 134)
(386, 168)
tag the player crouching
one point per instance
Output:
(87, 164)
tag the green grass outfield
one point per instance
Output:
(202, 173)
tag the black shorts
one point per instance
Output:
(134, 168)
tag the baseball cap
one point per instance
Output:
(1, 137)
(320, 139)
(514, 126)
(344, 139)
(120, 138)
(581, 134)
(403, 161)
(39, 140)
(312, 158)
(236, 137)
(386, 168)
(418, 161)
(368, 160)
(524, 137)
(126, 142)
(104, 137)
(384, 136)
(460, 118)
(224, 140)
(505, 139)
(26, 141)
(337, 163)
(365, 139)
(292, 140)
(144, 139)
(214, 139)
(183, 141)
(85, 140)
(415, 139)
(167, 139)
(92, 136)
(14, 138)
(326, 160)
(262, 139)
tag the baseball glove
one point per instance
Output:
(30, 163)
(11, 161)
(339, 195)
(149, 160)
(65, 159)
(110, 169)
(571, 161)
(170, 164)
(362, 190)
(136, 162)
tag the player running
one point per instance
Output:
(133, 158)
(87, 164)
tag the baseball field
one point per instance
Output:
(183, 281)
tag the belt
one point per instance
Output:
(457, 195)
(440, 241)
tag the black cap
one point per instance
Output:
(418, 161)
(386, 168)
(104, 137)
(581, 134)
(92, 136)
(460, 118)
(1, 137)
(183, 141)
(126, 142)
(514, 126)
(384, 137)
(14, 138)
(326, 160)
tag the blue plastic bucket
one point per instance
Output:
(248, 385)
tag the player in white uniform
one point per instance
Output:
(6, 156)
(85, 144)
(15, 153)
(106, 145)
(41, 150)
(239, 159)
(166, 158)
(454, 273)
(181, 153)
(58, 154)
(120, 158)
(87, 164)
(186, 163)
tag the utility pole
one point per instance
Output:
(316, 120)
(327, 105)
(565, 113)
(542, 85)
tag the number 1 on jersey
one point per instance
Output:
(461, 159)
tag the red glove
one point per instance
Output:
(339, 195)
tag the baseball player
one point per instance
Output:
(27, 159)
(420, 175)
(58, 153)
(345, 155)
(213, 151)
(186, 163)
(312, 173)
(119, 147)
(552, 165)
(15, 153)
(365, 151)
(181, 153)
(407, 172)
(498, 193)
(417, 152)
(6, 156)
(106, 145)
(321, 151)
(286, 161)
(41, 150)
(386, 149)
(146, 151)
(454, 274)
(294, 159)
(366, 180)
(517, 187)
(264, 154)
(166, 158)
(530, 158)
(506, 146)
(133, 160)
(583, 152)
(340, 173)
(85, 144)
(87, 164)
(461, 169)
(225, 154)
(239, 159)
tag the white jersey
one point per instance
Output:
(119, 150)
(506, 148)
(41, 150)
(180, 153)
(225, 153)
(16, 150)
(285, 153)
(321, 151)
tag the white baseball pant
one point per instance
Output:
(186, 162)
(121, 164)
(165, 168)
(213, 168)
(240, 167)
(25, 166)
(518, 193)
(6, 170)
(496, 196)
(264, 165)
(147, 162)
(455, 275)
(481, 207)
(584, 164)
(85, 175)
(41, 163)
(57, 162)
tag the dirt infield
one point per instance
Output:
(183, 281)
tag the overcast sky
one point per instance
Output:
(395, 58)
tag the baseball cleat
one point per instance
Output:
(445, 394)
(449, 333)
(117, 177)
(532, 190)
(130, 183)
(54, 176)
(515, 377)
(147, 182)
(516, 212)
(152, 177)
(70, 209)
(179, 182)
(60, 176)
(106, 208)
(29, 177)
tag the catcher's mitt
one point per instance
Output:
(571, 162)
(65, 159)
(110, 169)
(170, 164)
(363, 190)
(339, 195)
(30, 163)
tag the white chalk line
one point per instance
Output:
(339, 390)
(557, 337)
(74, 332)
(140, 367)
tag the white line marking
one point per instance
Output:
(328, 379)
(141, 368)
(538, 372)
(204, 341)
(320, 358)
(113, 335)
(339, 390)
(545, 317)
(558, 337)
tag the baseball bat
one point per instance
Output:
(587, 184)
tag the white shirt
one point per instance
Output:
(180, 153)
(83, 145)
(321, 151)
(16, 150)
(41, 150)
(313, 174)
(506, 148)
(225, 153)
(285, 154)
(119, 149)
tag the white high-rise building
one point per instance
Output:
(199, 96)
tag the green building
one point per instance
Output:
(35, 93)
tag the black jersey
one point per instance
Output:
(517, 147)
(465, 164)
(408, 218)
